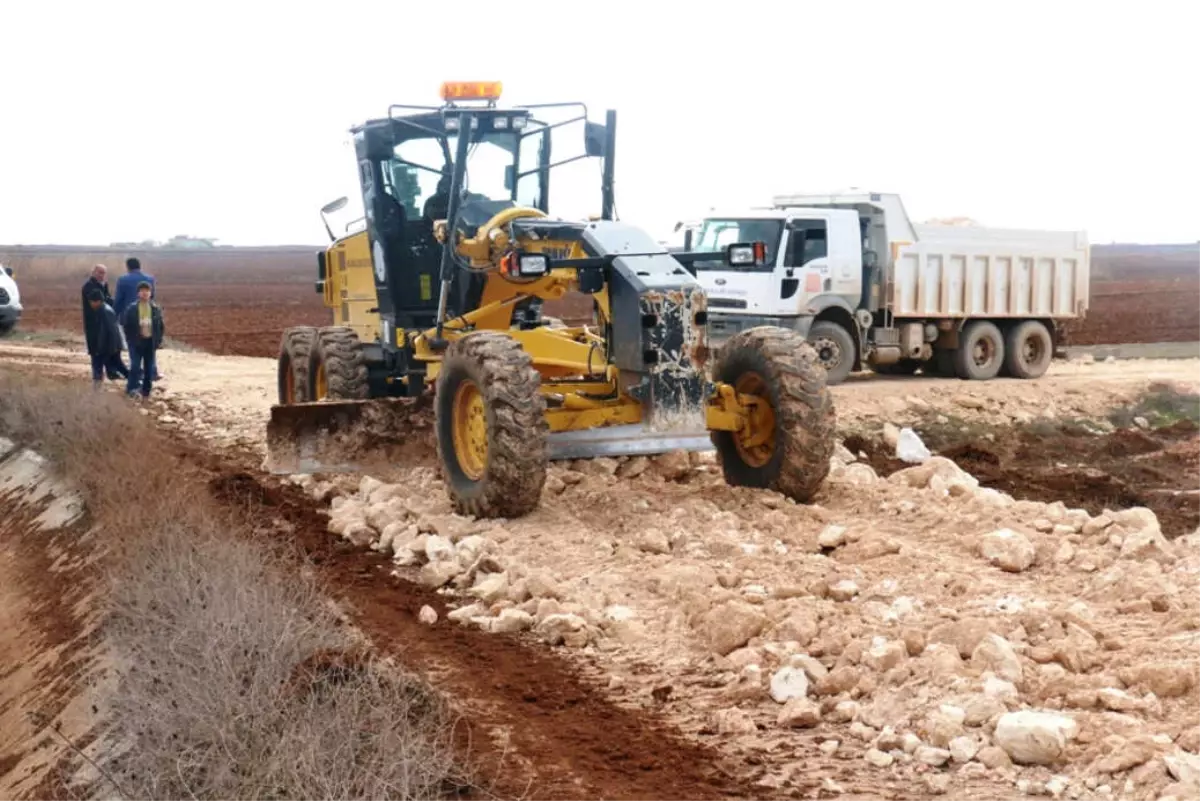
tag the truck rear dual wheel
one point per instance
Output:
(491, 426)
(789, 441)
(980, 352)
(1029, 349)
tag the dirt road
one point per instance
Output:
(902, 619)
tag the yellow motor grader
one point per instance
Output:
(444, 287)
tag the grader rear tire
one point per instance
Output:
(295, 355)
(337, 368)
(789, 444)
(491, 426)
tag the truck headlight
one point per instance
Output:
(746, 254)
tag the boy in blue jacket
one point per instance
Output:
(142, 322)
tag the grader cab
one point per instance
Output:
(438, 301)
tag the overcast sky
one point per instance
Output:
(126, 121)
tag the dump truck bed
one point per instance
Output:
(956, 271)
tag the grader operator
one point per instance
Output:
(444, 286)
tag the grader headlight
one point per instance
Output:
(515, 264)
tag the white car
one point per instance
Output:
(10, 301)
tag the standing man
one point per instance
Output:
(142, 323)
(127, 294)
(104, 345)
(93, 320)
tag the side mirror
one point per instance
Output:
(594, 136)
(9, 271)
(687, 239)
(336, 205)
(510, 177)
(746, 254)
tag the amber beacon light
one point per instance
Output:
(471, 90)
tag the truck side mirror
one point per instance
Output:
(510, 177)
(9, 271)
(594, 135)
(687, 239)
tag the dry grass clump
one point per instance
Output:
(235, 678)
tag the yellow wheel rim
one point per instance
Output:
(321, 384)
(755, 440)
(469, 424)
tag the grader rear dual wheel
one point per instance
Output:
(788, 441)
(295, 353)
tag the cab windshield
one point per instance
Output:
(418, 165)
(502, 166)
(715, 235)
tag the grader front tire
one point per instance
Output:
(788, 446)
(491, 426)
(295, 355)
(338, 370)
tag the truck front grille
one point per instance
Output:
(726, 303)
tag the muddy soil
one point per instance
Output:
(1158, 469)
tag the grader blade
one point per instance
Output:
(627, 440)
(349, 436)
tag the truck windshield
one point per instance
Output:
(716, 235)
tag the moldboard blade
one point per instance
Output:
(627, 440)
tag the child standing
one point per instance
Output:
(105, 346)
(142, 322)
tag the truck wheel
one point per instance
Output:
(980, 352)
(835, 350)
(1028, 350)
(337, 368)
(491, 426)
(789, 440)
(295, 353)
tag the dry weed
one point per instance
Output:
(226, 688)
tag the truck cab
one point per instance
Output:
(851, 273)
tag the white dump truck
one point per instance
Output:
(868, 288)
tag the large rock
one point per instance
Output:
(1125, 754)
(1033, 737)
(1147, 543)
(939, 466)
(438, 574)
(799, 713)
(1164, 679)
(883, 655)
(788, 683)
(564, 629)
(731, 625)
(799, 626)
(1007, 549)
(996, 654)
(965, 635)
(733, 721)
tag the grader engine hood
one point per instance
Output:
(659, 327)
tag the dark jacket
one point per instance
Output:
(108, 335)
(133, 333)
(91, 317)
(127, 290)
